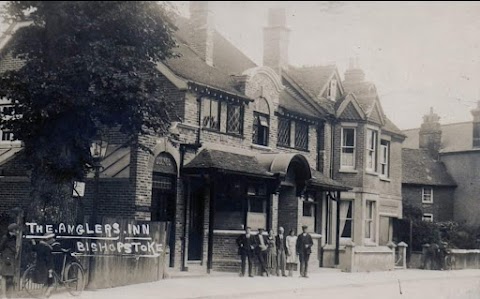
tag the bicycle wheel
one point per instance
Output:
(30, 285)
(74, 279)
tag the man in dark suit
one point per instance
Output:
(281, 245)
(261, 246)
(304, 249)
(246, 246)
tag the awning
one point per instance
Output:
(320, 180)
(227, 162)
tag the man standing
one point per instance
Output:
(304, 249)
(281, 245)
(261, 247)
(246, 245)
(8, 256)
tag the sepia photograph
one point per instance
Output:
(240, 149)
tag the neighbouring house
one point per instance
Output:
(451, 155)
(259, 146)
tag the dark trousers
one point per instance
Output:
(246, 257)
(304, 264)
(262, 258)
(281, 262)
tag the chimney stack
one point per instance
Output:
(430, 135)
(276, 40)
(354, 74)
(201, 19)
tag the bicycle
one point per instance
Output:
(449, 260)
(72, 277)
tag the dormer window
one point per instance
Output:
(332, 90)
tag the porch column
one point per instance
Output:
(337, 225)
(211, 219)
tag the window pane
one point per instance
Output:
(234, 119)
(257, 205)
(349, 137)
(260, 129)
(301, 135)
(210, 111)
(347, 157)
(283, 132)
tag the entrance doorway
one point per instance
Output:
(196, 222)
(164, 194)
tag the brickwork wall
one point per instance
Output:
(13, 192)
(442, 206)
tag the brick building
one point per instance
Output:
(260, 146)
(455, 148)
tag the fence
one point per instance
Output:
(139, 255)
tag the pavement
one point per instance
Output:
(328, 283)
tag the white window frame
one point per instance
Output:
(385, 158)
(372, 151)
(424, 194)
(343, 240)
(342, 147)
(370, 220)
(428, 217)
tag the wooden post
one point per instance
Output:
(18, 256)
(337, 239)
(211, 224)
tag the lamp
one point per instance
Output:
(98, 149)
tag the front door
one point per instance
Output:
(163, 205)
(196, 223)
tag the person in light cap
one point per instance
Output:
(9, 254)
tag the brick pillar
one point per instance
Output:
(288, 209)
(274, 212)
(179, 222)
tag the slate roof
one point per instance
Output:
(456, 137)
(419, 168)
(320, 180)
(227, 162)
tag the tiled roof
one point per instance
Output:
(11, 162)
(319, 179)
(228, 162)
(312, 80)
(228, 60)
(456, 137)
(420, 168)
(290, 102)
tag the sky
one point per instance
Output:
(419, 54)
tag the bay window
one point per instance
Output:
(348, 148)
(370, 220)
(372, 136)
(385, 158)
(346, 219)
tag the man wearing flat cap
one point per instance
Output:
(304, 249)
(8, 251)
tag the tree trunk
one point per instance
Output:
(52, 201)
